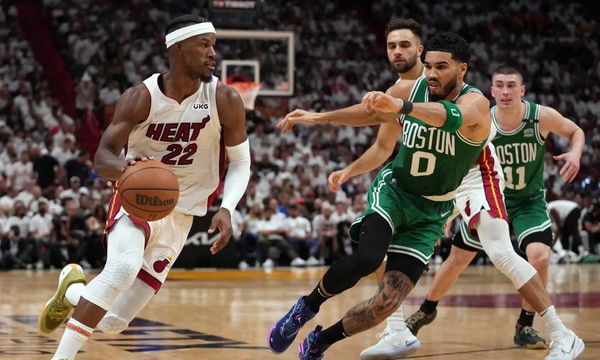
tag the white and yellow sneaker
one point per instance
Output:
(58, 308)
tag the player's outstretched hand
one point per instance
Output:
(337, 178)
(571, 167)
(298, 117)
(222, 221)
(378, 101)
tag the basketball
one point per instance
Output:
(148, 190)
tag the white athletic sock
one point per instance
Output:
(395, 322)
(72, 340)
(74, 293)
(552, 321)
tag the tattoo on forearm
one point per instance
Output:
(373, 311)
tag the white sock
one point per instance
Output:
(74, 293)
(552, 321)
(395, 322)
(72, 340)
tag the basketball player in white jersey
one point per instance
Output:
(480, 202)
(182, 118)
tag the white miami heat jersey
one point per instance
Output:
(187, 138)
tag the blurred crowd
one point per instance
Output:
(53, 206)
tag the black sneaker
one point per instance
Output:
(419, 319)
(527, 337)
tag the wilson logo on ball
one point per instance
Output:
(141, 199)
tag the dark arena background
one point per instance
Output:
(65, 63)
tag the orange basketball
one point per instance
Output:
(148, 190)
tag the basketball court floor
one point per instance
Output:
(225, 315)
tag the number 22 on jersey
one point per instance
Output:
(175, 150)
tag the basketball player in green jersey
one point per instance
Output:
(446, 123)
(477, 189)
(404, 48)
(522, 127)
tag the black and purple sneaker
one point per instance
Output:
(314, 346)
(284, 331)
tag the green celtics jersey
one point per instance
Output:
(432, 162)
(521, 154)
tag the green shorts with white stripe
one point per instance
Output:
(416, 223)
(468, 239)
(528, 215)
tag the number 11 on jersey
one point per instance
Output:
(508, 171)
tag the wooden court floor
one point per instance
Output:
(225, 315)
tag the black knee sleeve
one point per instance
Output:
(545, 237)
(406, 264)
(374, 239)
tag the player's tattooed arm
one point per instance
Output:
(375, 310)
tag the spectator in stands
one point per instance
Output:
(75, 191)
(41, 232)
(8, 200)
(108, 99)
(26, 194)
(248, 244)
(45, 166)
(565, 224)
(325, 230)
(343, 217)
(591, 224)
(72, 230)
(64, 152)
(40, 133)
(80, 166)
(21, 172)
(300, 236)
(3, 221)
(237, 227)
(99, 192)
(279, 211)
(86, 95)
(15, 252)
(109, 94)
(41, 225)
(308, 200)
(273, 242)
(19, 218)
(94, 222)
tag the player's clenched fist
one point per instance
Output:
(378, 101)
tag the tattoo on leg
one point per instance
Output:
(373, 311)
